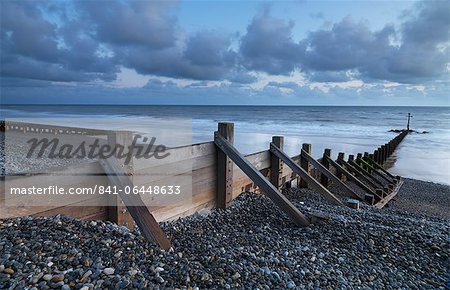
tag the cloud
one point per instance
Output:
(424, 53)
(330, 76)
(268, 45)
(417, 52)
(147, 23)
(32, 47)
(347, 45)
(84, 42)
(25, 32)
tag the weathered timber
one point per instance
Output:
(380, 192)
(369, 198)
(353, 203)
(118, 213)
(276, 165)
(150, 229)
(375, 155)
(366, 174)
(224, 169)
(376, 165)
(358, 174)
(388, 198)
(351, 178)
(374, 170)
(304, 174)
(281, 201)
(323, 170)
(304, 164)
(326, 164)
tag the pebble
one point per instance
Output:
(159, 269)
(9, 271)
(58, 278)
(108, 271)
(291, 285)
(249, 245)
(236, 276)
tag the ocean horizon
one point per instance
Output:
(349, 129)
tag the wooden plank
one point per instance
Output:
(326, 165)
(281, 201)
(374, 170)
(225, 169)
(388, 198)
(351, 177)
(118, 213)
(153, 174)
(366, 174)
(138, 210)
(358, 174)
(304, 174)
(323, 170)
(177, 154)
(276, 166)
(380, 168)
(304, 164)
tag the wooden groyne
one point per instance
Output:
(219, 174)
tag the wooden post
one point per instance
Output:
(225, 168)
(383, 155)
(326, 164)
(380, 192)
(312, 182)
(365, 156)
(328, 174)
(139, 212)
(409, 119)
(276, 165)
(351, 157)
(304, 164)
(341, 156)
(353, 203)
(118, 212)
(369, 198)
(358, 157)
(279, 199)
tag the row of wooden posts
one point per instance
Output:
(359, 171)
(366, 171)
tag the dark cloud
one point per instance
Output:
(346, 45)
(25, 32)
(147, 23)
(209, 48)
(241, 76)
(268, 45)
(418, 52)
(424, 53)
(34, 48)
(83, 41)
(206, 55)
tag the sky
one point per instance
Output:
(225, 52)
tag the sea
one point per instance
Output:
(348, 129)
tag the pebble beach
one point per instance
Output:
(250, 245)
